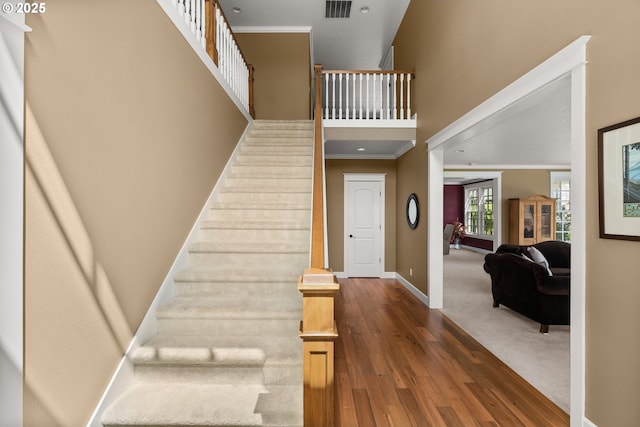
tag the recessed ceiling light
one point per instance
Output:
(361, 149)
(364, 9)
(459, 151)
(236, 9)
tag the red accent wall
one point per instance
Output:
(453, 204)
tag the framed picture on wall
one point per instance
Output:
(619, 180)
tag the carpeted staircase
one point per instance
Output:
(227, 351)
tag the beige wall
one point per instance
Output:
(128, 136)
(464, 52)
(335, 170)
(282, 82)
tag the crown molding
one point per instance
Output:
(284, 29)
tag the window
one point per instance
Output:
(561, 191)
(478, 208)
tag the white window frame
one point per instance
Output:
(480, 186)
(557, 177)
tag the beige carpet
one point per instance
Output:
(541, 359)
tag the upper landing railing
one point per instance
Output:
(366, 95)
(208, 24)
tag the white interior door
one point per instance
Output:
(364, 243)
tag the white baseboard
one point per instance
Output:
(385, 275)
(415, 291)
(393, 275)
(124, 375)
(587, 423)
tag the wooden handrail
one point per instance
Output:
(413, 76)
(317, 225)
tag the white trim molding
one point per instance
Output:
(267, 29)
(570, 61)
(411, 288)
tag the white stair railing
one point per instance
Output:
(207, 23)
(366, 95)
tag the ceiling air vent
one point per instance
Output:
(338, 9)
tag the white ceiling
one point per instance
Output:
(534, 132)
(355, 43)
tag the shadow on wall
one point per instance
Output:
(75, 330)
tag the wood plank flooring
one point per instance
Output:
(400, 364)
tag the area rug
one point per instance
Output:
(541, 359)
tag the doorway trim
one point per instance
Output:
(375, 177)
(570, 61)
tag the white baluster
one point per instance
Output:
(388, 87)
(181, 8)
(333, 96)
(326, 96)
(346, 92)
(198, 20)
(193, 17)
(395, 97)
(340, 96)
(360, 107)
(373, 95)
(402, 96)
(353, 98)
(409, 96)
(203, 25)
(187, 11)
(368, 90)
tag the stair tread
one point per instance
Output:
(270, 247)
(198, 355)
(276, 350)
(181, 404)
(207, 306)
(256, 225)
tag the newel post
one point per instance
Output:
(211, 29)
(252, 110)
(318, 332)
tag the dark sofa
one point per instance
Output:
(540, 293)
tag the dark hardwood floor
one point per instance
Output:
(398, 363)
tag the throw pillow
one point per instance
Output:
(538, 258)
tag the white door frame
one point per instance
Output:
(376, 177)
(570, 61)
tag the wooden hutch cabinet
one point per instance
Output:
(532, 220)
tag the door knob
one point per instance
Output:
(351, 236)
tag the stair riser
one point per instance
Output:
(274, 374)
(270, 171)
(244, 259)
(282, 133)
(260, 199)
(231, 235)
(283, 124)
(272, 160)
(234, 277)
(206, 374)
(230, 327)
(270, 184)
(299, 215)
(273, 149)
(285, 374)
(239, 290)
